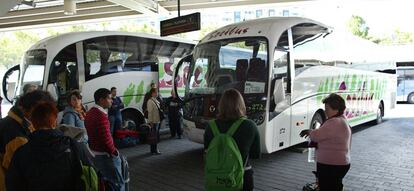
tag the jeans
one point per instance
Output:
(155, 127)
(115, 122)
(110, 167)
(330, 176)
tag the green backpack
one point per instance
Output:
(224, 169)
(87, 179)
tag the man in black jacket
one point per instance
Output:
(174, 106)
(15, 128)
(49, 161)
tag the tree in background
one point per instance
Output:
(358, 27)
(398, 37)
(13, 46)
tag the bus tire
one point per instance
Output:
(410, 98)
(131, 115)
(380, 114)
(316, 121)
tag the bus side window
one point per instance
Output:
(279, 74)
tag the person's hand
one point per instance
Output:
(305, 133)
(115, 154)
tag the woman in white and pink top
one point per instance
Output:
(333, 139)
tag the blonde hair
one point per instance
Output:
(231, 105)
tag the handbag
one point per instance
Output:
(152, 137)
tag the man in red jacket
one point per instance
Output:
(107, 159)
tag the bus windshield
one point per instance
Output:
(33, 68)
(234, 63)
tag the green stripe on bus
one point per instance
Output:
(362, 117)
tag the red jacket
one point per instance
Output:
(97, 126)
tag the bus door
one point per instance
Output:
(63, 74)
(279, 107)
(307, 52)
(400, 85)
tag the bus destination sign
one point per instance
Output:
(181, 24)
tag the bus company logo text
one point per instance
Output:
(228, 32)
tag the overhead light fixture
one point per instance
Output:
(69, 7)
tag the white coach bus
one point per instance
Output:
(293, 63)
(91, 60)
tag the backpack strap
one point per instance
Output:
(214, 128)
(235, 126)
(232, 129)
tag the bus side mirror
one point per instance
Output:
(279, 91)
(52, 89)
(178, 68)
(10, 83)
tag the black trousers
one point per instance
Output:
(330, 176)
(175, 125)
(156, 127)
(248, 184)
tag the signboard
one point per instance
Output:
(181, 24)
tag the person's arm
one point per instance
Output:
(69, 119)
(322, 133)
(14, 178)
(255, 149)
(11, 148)
(104, 135)
(121, 104)
(208, 136)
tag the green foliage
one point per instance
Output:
(134, 27)
(398, 37)
(358, 26)
(14, 44)
(13, 47)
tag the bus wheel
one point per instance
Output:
(132, 119)
(317, 121)
(380, 112)
(410, 98)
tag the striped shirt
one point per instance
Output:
(97, 126)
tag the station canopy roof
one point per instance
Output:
(20, 14)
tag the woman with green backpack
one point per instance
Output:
(230, 141)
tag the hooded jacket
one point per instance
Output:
(14, 132)
(44, 163)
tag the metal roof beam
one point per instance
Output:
(142, 6)
(57, 9)
(48, 15)
(171, 5)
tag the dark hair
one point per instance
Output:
(31, 99)
(113, 88)
(101, 93)
(231, 105)
(26, 87)
(336, 102)
(73, 93)
(44, 115)
(152, 90)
